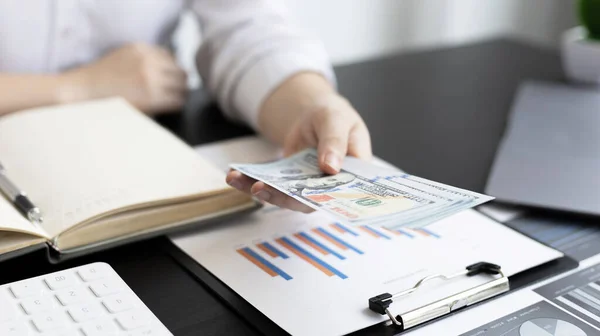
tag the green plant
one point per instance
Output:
(589, 14)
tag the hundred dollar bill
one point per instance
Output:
(350, 196)
(461, 198)
(361, 193)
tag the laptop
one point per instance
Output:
(550, 154)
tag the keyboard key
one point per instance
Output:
(7, 308)
(103, 327)
(94, 272)
(85, 312)
(118, 303)
(69, 296)
(61, 280)
(133, 319)
(23, 289)
(146, 332)
(7, 312)
(38, 304)
(14, 328)
(106, 287)
(49, 321)
(63, 332)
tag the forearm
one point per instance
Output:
(20, 91)
(300, 94)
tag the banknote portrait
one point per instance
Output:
(319, 182)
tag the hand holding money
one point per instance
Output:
(362, 193)
(307, 112)
(264, 192)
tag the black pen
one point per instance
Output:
(19, 198)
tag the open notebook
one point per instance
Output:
(102, 172)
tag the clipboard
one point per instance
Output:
(498, 285)
(267, 327)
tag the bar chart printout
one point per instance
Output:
(315, 245)
(540, 319)
(276, 255)
(578, 294)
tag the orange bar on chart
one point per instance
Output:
(393, 231)
(428, 233)
(266, 250)
(424, 233)
(257, 263)
(311, 244)
(337, 228)
(365, 229)
(329, 239)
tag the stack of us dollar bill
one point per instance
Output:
(363, 193)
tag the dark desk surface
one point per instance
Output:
(438, 114)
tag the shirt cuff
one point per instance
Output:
(265, 75)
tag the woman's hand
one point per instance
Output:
(306, 112)
(147, 76)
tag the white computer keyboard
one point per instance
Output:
(88, 300)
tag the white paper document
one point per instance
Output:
(501, 212)
(312, 276)
(247, 149)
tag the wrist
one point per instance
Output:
(298, 96)
(307, 92)
(72, 87)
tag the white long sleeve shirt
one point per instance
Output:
(249, 46)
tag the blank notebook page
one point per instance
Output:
(83, 160)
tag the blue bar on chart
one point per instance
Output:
(375, 233)
(315, 244)
(406, 233)
(271, 250)
(335, 240)
(342, 229)
(394, 232)
(427, 233)
(309, 257)
(262, 263)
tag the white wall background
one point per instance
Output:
(355, 30)
(360, 29)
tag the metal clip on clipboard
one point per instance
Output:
(381, 303)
